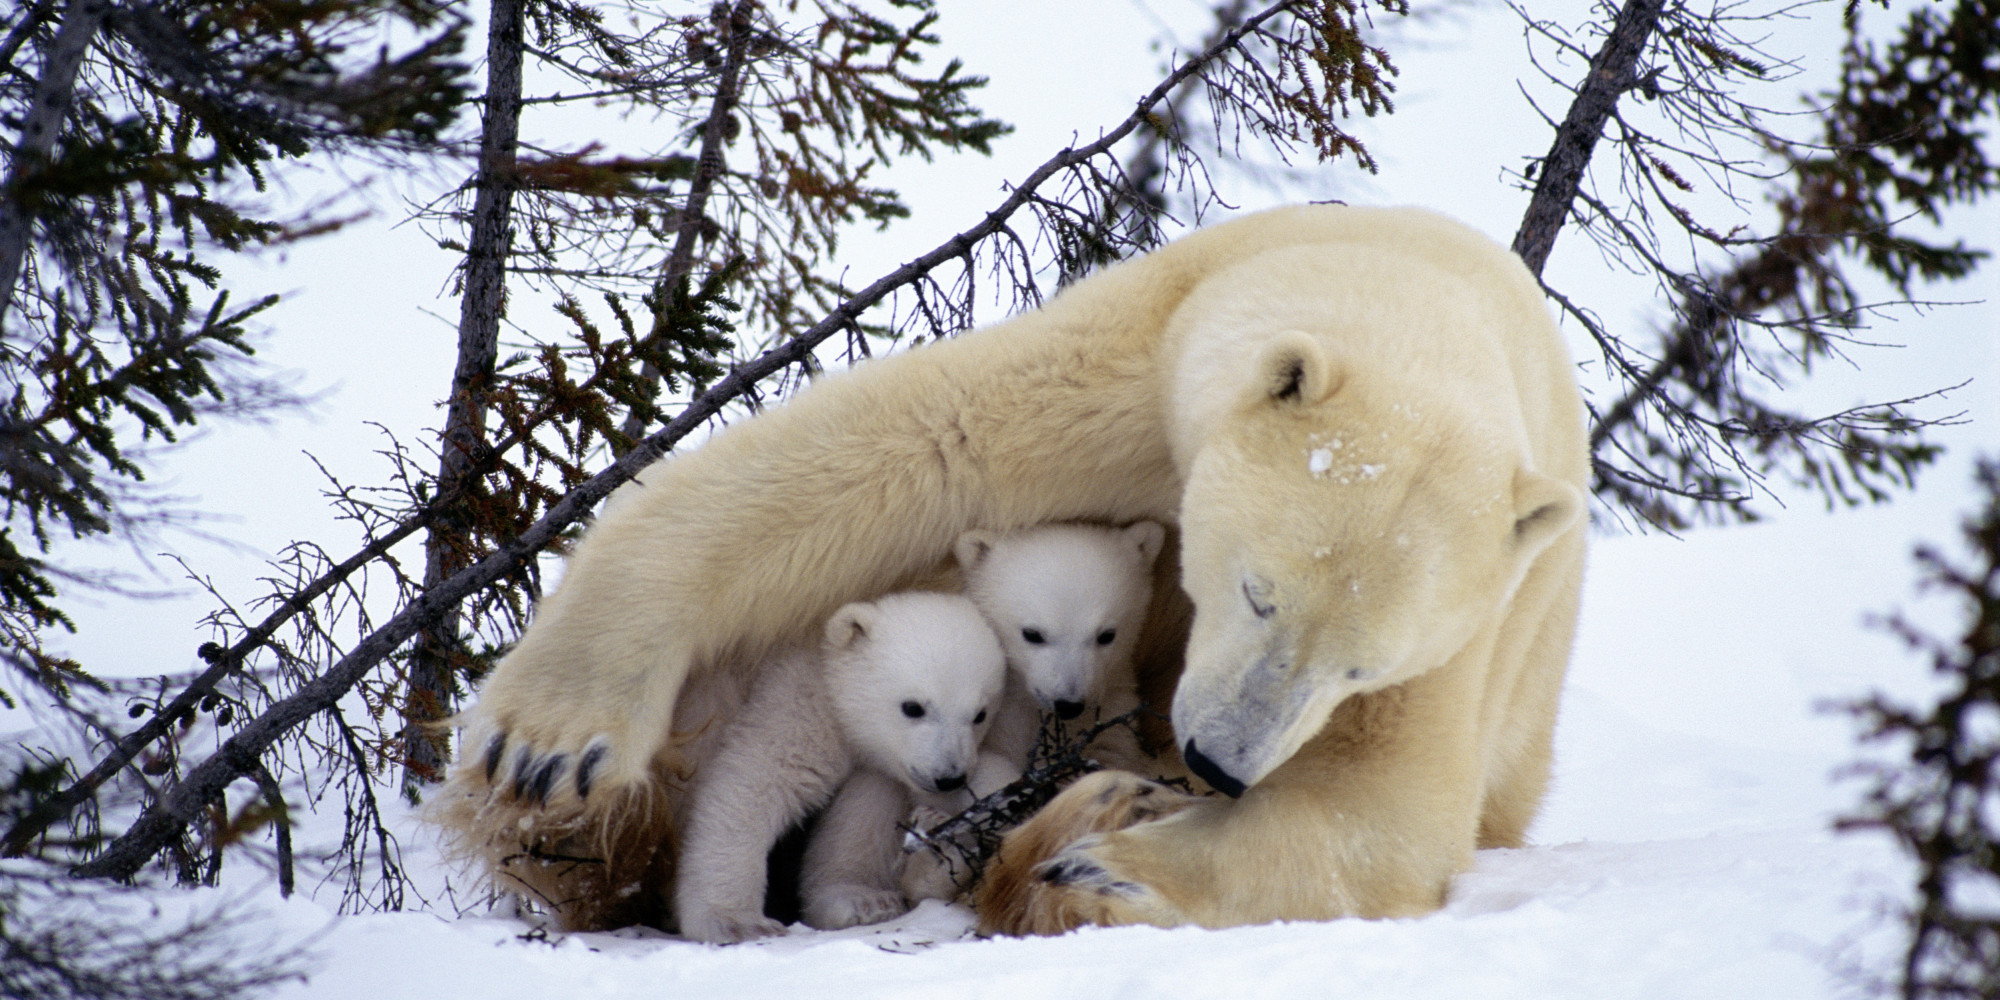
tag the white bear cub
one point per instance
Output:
(903, 688)
(1067, 601)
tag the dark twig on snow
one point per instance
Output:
(274, 794)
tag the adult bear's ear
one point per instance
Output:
(850, 625)
(1292, 368)
(1147, 537)
(972, 547)
(1544, 508)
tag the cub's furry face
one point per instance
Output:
(914, 680)
(1066, 600)
(1340, 540)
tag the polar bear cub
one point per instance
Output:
(1067, 601)
(903, 688)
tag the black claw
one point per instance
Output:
(524, 765)
(586, 769)
(545, 777)
(495, 748)
(1066, 872)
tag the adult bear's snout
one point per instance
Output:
(1206, 770)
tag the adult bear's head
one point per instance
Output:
(1345, 528)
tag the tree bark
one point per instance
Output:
(1562, 169)
(53, 93)
(428, 694)
(238, 756)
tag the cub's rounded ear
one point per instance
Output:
(1291, 368)
(973, 547)
(1544, 508)
(850, 625)
(1147, 537)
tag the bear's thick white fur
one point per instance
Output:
(1362, 423)
(904, 687)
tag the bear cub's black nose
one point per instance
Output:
(1068, 709)
(951, 783)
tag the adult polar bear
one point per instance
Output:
(1366, 428)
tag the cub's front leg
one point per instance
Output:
(779, 761)
(851, 863)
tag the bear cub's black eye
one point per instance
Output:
(913, 710)
(1033, 635)
(1106, 637)
(981, 717)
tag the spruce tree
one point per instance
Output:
(144, 132)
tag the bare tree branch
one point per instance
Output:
(80, 25)
(1562, 169)
(222, 663)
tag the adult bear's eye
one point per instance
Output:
(1259, 598)
(1033, 635)
(981, 717)
(913, 710)
(1106, 637)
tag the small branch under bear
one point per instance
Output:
(964, 843)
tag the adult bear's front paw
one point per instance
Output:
(1055, 872)
(534, 772)
(1078, 868)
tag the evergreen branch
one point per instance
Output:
(708, 167)
(31, 19)
(239, 755)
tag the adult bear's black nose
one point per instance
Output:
(1206, 770)
(1068, 709)
(951, 783)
